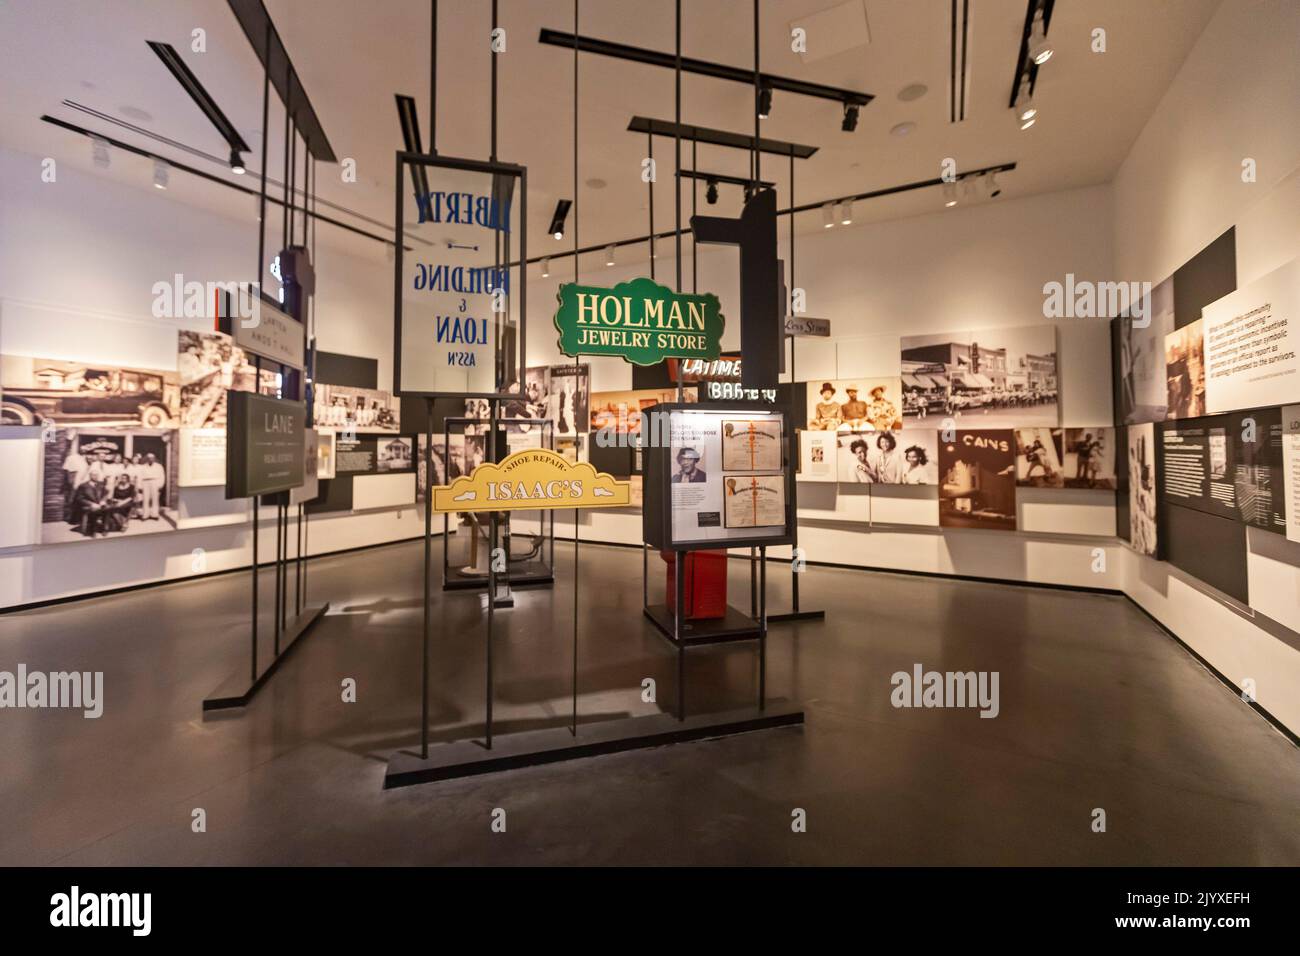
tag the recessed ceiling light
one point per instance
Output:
(913, 91)
(902, 129)
(596, 183)
(135, 113)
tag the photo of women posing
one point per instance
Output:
(907, 457)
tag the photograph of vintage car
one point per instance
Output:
(35, 390)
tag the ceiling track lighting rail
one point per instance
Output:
(256, 23)
(835, 204)
(724, 178)
(210, 177)
(959, 61)
(1026, 74)
(719, 71)
(718, 137)
(409, 118)
(203, 100)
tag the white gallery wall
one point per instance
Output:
(1236, 98)
(78, 261)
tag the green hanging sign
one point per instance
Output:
(642, 321)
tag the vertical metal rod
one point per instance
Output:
(428, 563)
(794, 574)
(575, 140)
(679, 587)
(284, 562)
(281, 533)
(261, 202)
(491, 455)
(293, 182)
(677, 149)
(493, 154)
(758, 154)
(257, 371)
(297, 564)
(576, 574)
(284, 227)
(492, 601)
(275, 610)
(753, 586)
(650, 150)
(695, 265)
(762, 630)
(433, 78)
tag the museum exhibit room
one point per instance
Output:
(652, 433)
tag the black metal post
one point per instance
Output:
(575, 621)
(753, 587)
(428, 563)
(491, 455)
(679, 587)
(762, 630)
(279, 529)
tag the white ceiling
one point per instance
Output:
(353, 55)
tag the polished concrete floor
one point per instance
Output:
(1098, 709)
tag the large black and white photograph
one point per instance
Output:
(34, 390)
(905, 457)
(994, 378)
(364, 410)
(978, 488)
(210, 364)
(1141, 391)
(108, 483)
(1142, 489)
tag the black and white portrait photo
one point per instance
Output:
(688, 468)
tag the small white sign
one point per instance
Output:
(270, 333)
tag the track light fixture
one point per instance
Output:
(546, 267)
(99, 152)
(1026, 110)
(828, 215)
(764, 101)
(850, 121)
(1025, 124)
(609, 254)
(711, 193)
(846, 213)
(992, 186)
(949, 194)
(236, 163)
(1040, 48)
(159, 174)
(561, 213)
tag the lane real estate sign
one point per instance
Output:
(265, 447)
(640, 321)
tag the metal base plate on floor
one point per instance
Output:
(465, 758)
(523, 575)
(796, 616)
(237, 690)
(734, 626)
